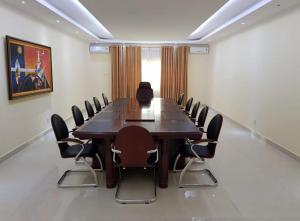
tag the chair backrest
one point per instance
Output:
(195, 110)
(180, 99)
(134, 142)
(213, 131)
(144, 93)
(144, 84)
(188, 105)
(105, 100)
(60, 130)
(202, 116)
(77, 115)
(89, 109)
(97, 104)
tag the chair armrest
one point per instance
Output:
(192, 142)
(154, 151)
(115, 151)
(71, 140)
(75, 128)
(204, 141)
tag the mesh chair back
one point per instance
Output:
(213, 131)
(134, 142)
(89, 109)
(77, 115)
(195, 110)
(202, 116)
(60, 130)
(188, 105)
(97, 104)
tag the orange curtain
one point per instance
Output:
(180, 85)
(126, 71)
(133, 70)
(174, 63)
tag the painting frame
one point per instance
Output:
(28, 78)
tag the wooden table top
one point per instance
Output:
(162, 118)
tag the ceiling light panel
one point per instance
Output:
(226, 13)
(76, 13)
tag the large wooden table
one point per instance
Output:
(162, 118)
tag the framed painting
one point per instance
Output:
(29, 68)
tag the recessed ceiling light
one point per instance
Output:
(243, 23)
(57, 21)
(23, 2)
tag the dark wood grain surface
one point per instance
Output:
(162, 118)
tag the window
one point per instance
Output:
(151, 68)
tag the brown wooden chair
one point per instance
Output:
(134, 147)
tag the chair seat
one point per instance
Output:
(202, 151)
(72, 151)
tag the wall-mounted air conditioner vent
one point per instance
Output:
(98, 49)
(199, 50)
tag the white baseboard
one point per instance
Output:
(263, 137)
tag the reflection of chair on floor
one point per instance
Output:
(79, 150)
(134, 147)
(195, 151)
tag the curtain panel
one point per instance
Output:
(174, 68)
(126, 71)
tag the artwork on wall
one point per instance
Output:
(29, 68)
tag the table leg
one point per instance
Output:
(163, 165)
(110, 170)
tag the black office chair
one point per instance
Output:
(188, 106)
(180, 99)
(79, 150)
(195, 109)
(144, 93)
(134, 147)
(97, 104)
(78, 117)
(105, 100)
(202, 118)
(195, 151)
(89, 109)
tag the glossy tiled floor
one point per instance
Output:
(257, 182)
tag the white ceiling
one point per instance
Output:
(152, 20)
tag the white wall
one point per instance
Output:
(77, 76)
(255, 76)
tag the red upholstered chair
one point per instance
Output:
(134, 147)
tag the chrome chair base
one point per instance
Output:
(203, 171)
(89, 170)
(134, 201)
(202, 161)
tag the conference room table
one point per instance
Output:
(163, 118)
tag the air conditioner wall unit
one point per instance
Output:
(199, 50)
(98, 49)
